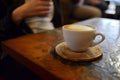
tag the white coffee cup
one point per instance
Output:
(80, 37)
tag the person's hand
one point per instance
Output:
(31, 8)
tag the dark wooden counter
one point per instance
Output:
(34, 51)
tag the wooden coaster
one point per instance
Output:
(91, 54)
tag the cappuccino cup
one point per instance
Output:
(80, 37)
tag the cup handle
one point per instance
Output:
(101, 40)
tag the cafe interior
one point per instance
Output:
(44, 55)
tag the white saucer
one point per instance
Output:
(91, 54)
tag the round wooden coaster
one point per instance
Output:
(91, 54)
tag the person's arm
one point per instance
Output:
(31, 8)
(7, 26)
(101, 4)
(12, 19)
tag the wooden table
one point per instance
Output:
(34, 51)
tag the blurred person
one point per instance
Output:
(14, 12)
(12, 24)
(101, 4)
(76, 10)
(82, 11)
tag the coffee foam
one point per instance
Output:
(78, 27)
